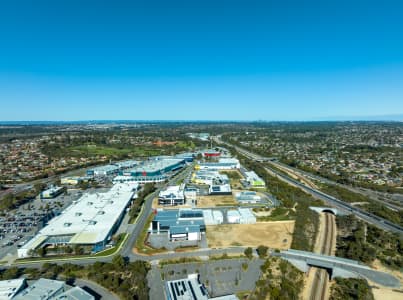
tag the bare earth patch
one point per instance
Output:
(384, 293)
(381, 292)
(211, 201)
(271, 234)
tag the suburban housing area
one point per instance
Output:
(207, 224)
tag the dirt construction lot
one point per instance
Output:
(211, 201)
(271, 234)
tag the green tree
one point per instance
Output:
(41, 252)
(262, 251)
(78, 250)
(248, 252)
(11, 273)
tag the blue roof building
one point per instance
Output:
(179, 224)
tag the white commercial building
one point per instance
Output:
(241, 216)
(231, 162)
(190, 289)
(172, 195)
(90, 221)
(213, 217)
(103, 170)
(210, 178)
(126, 164)
(254, 180)
(190, 194)
(205, 177)
(222, 164)
(52, 192)
(43, 289)
(222, 189)
(10, 288)
(233, 217)
(248, 197)
(46, 289)
(247, 216)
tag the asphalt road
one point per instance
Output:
(366, 216)
(127, 249)
(330, 182)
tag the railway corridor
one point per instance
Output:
(318, 279)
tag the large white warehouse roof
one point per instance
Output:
(91, 218)
(88, 220)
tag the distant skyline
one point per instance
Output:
(201, 60)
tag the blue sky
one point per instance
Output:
(200, 60)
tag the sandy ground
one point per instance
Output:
(306, 293)
(386, 294)
(383, 293)
(271, 234)
(319, 237)
(211, 201)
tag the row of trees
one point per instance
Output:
(138, 203)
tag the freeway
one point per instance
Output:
(364, 215)
(304, 174)
(127, 248)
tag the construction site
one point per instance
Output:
(218, 200)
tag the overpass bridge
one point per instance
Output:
(337, 267)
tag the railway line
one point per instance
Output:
(321, 278)
(344, 206)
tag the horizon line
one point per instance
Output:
(20, 122)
